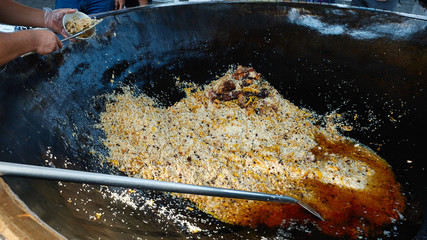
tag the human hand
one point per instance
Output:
(53, 19)
(45, 41)
(119, 4)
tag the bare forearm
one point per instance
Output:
(14, 13)
(13, 45)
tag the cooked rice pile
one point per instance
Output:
(238, 132)
(79, 25)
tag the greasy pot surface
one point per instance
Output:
(320, 57)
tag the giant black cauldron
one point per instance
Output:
(324, 58)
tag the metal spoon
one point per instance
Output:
(57, 174)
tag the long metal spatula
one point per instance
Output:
(66, 175)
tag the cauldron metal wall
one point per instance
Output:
(325, 58)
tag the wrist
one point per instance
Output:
(38, 19)
(34, 39)
(47, 17)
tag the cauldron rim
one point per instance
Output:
(232, 3)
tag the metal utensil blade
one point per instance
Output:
(57, 174)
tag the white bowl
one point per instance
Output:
(74, 17)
